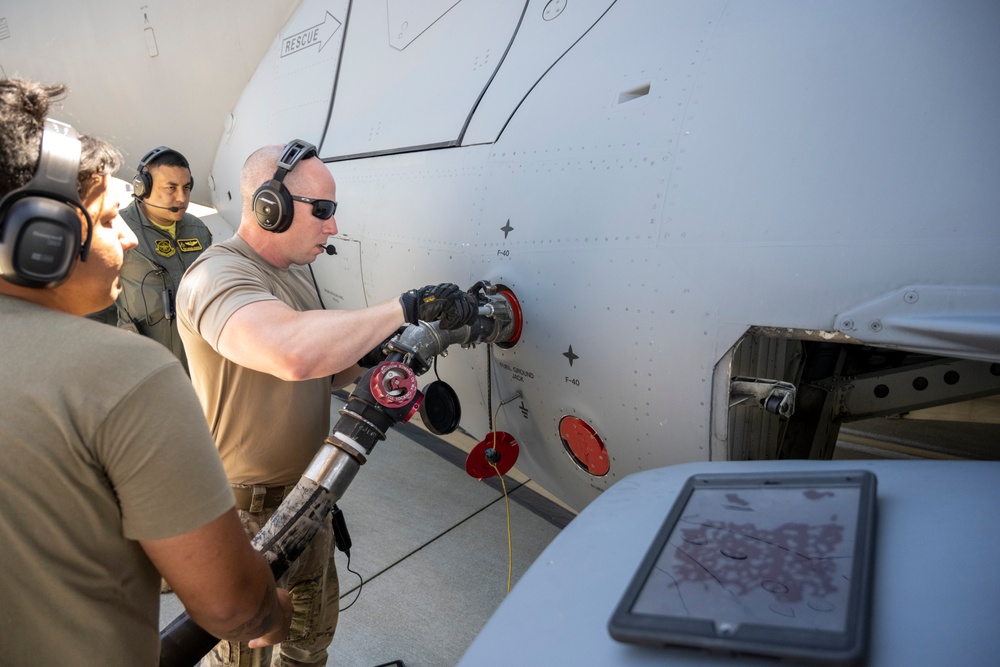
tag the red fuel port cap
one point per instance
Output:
(584, 445)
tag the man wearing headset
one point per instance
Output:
(262, 352)
(99, 500)
(170, 239)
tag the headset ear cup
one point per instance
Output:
(272, 203)
(273, 207)
(40, 242)
(142, 184)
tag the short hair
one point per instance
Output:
(168, 158)
(24, 106)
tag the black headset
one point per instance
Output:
(142, 184)
(40, 222)
(272, 203)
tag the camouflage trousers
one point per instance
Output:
(315, 591)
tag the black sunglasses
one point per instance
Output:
(322, 208)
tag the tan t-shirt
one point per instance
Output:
(267, 429)
(102, 443)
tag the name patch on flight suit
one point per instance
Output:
(164, 248)
(189, 245)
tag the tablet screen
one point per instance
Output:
(772, 555)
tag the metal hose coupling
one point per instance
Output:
(499, 322)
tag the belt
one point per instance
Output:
(257, 497)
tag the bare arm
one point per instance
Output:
(270, 337)
(223, 582)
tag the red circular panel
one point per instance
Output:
(584, 445)
(505, 446)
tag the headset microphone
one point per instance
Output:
(165, 208)
(330, 250)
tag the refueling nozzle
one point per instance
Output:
(499, 322)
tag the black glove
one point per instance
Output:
(463, 309)
(444, 302)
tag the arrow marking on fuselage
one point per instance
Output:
(317, 34)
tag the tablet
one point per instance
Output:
(768, 564)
